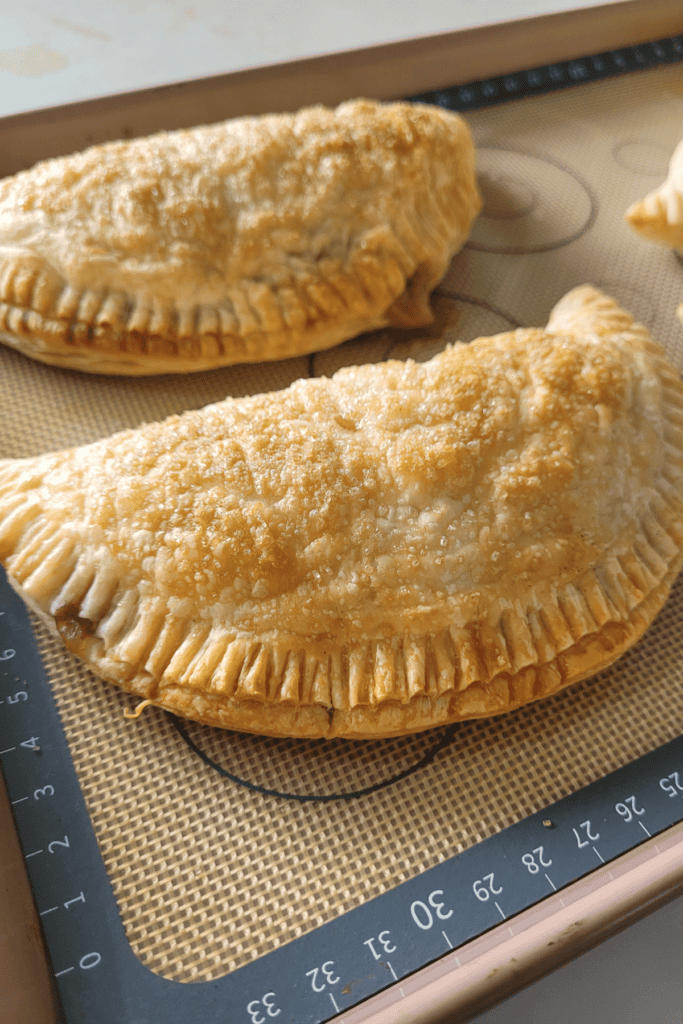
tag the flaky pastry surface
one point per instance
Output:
(258, 238)
(659, 216)
(396, 547)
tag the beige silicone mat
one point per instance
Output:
(210, 874)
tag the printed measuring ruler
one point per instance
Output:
(334, 968)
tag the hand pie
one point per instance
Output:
(659, 216)
(260, 238)
(396, 547)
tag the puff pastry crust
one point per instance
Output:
(393, 548)
(659, 216)
(259, 238)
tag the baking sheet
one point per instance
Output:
(210, 872)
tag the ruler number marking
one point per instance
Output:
(266, 1002)
(422, 915)
(628, 808)
(328, 974)
(75, 899)
(19, 697)
(58, 842)
(672, 784)
(385, 942)
(590, 838)
(535, 861)
(483, 891)
(89, 960)
(86, 963)
(45, 791)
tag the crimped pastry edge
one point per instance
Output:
(658, 216)
(499, 694)
(139, 340)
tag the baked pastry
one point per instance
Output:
(659, 216)
(259, 238)
(392, 548)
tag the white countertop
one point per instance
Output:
(54, 52)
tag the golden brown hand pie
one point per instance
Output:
(260, 238)
(396, 547)
(659, 216)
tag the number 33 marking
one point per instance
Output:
(256, 1005)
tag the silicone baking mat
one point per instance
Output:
(221, 847)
